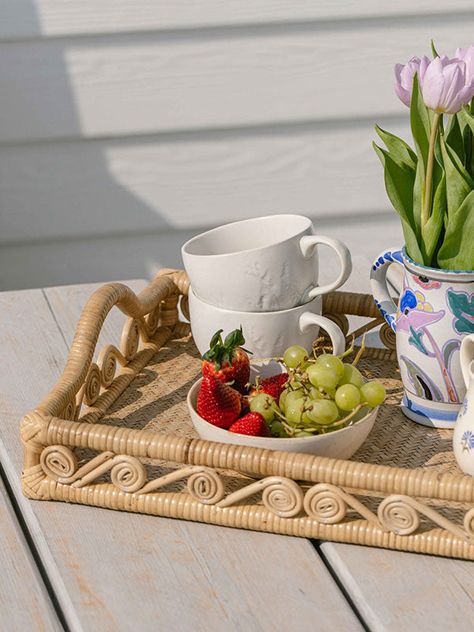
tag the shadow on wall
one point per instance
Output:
(32, 156)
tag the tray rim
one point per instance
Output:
(51, 431)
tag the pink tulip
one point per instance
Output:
(467, 56)
(446, 85)
(404, 74)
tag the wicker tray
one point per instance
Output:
(115, 433)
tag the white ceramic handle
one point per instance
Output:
(467, 358)
(308, 245)
(378, 281)
(338, 341)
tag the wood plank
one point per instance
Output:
(24, 601)
(46, 18)
(115, 570)
(141, 255)
(405, 591)
(140, 83)
(96, 188)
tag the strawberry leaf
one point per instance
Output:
(234, 339)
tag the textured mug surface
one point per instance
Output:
(267, 334)
(260, 264)
(435, 312)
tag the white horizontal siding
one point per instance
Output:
(28, 18)
(140, 255)
(142, 83)
(100, 187)
(126, 126)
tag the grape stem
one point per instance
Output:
(360, 352)
(348, 417)
(349, 351)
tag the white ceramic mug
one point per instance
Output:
(260, 265)
(267, 334)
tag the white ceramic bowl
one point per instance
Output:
(340, 444)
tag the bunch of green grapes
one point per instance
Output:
(321, 395)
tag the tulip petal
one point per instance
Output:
(453, 84)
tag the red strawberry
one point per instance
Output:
(227, 360)
(273, 385)
(218, 403)
(251, 424)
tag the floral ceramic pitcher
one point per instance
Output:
(463, 438)
(435, 312)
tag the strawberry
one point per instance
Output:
(227, 360)
(217, 402)
(251, 424)
(273, 385)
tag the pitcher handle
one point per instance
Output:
(378, 282)
(467, 359)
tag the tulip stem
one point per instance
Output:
(425, 212)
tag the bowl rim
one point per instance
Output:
(252, 437)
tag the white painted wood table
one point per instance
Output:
(83, 568)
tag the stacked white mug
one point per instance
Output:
(262, 274)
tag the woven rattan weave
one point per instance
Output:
(114, 432)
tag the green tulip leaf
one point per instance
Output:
(457, 249)
(399, 183)
(418, 197)
(420, 123)
(399, 150)
(466, 117)
(466, 120)
(458, 181)
(454, 137)
(468, 141)
(434, 52)
(433, 227)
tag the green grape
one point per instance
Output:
(372, 393)
(303, 433)
(277, 430)
(314, 393)
(265, 405)
(331, 362)
(347, 397)
(293, 396)
(322, 411)
(294, 410)
(294, 356)
(282, 400)
(322, 376)
(305, 419)
(351, 375)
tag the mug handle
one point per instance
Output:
(338, 340)
(308, 245)
(467, 359)
(378, 283)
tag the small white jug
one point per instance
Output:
(463, 439)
